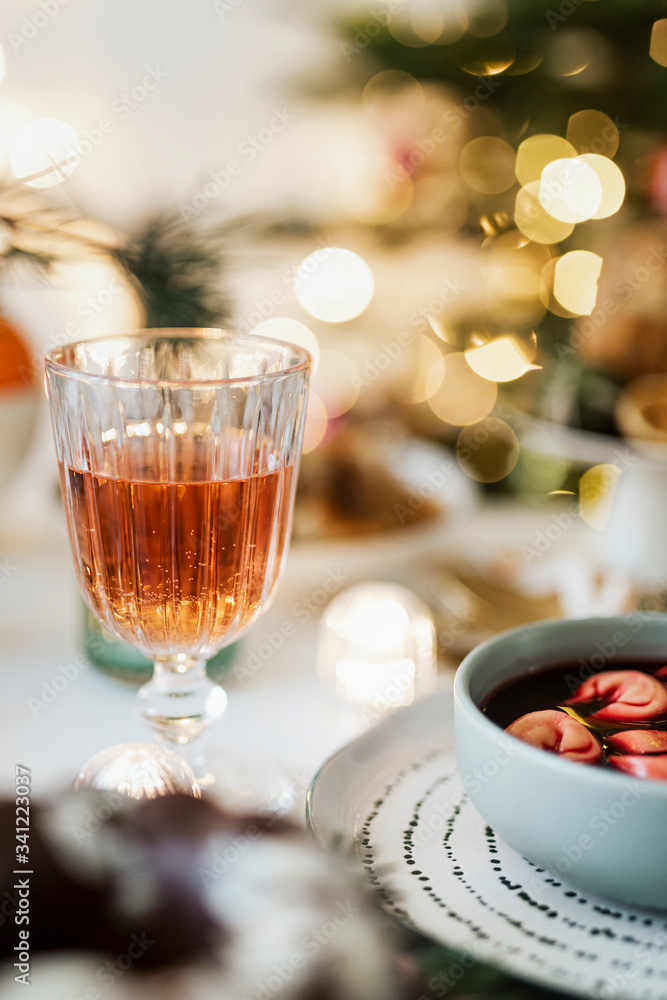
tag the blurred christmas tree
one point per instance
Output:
(563, 165)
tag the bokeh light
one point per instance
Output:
(48, 147)
(612, 183)
(569, 53)
(658, 47)
(430, 370)
(488, 57)
(334, 285)
(488, 18)
(464, 397)
(336, 383)
(536, 152)
(316, 422)
(487, 451)
(533, 219)
(394, 97)
(103, 299)
(502, 359)
(547, 278)
(596, 492)
(283, 328)
(455, 22)
(592, 131)
(570, 190)
(576, 281)
(581, 57)
(418, 24)
(487, 165)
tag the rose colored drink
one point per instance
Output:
(176, 567)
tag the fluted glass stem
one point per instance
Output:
(180, 701)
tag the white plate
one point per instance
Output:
(395, 795)
(430, 472)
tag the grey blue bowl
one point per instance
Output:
(601, 831)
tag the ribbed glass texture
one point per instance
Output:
(178, 454)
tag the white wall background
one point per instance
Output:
(227, 66)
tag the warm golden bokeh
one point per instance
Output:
(570, 190)
(612, 183)
(283, 328)
(430, 370)
(487, 451)
(463, 397)
(596, 492)
(487, 165)
(658, 48)
(536, 152)
(334, 285)
(576, 281)
(335, 382)
(533, 220)
(502, 359)
(316, 422)
(592, 131)
(394, 97)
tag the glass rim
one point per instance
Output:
(62, 369)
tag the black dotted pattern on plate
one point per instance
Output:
(441, 870)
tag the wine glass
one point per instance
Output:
(178, 452)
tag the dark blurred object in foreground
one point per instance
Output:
(247, 902)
